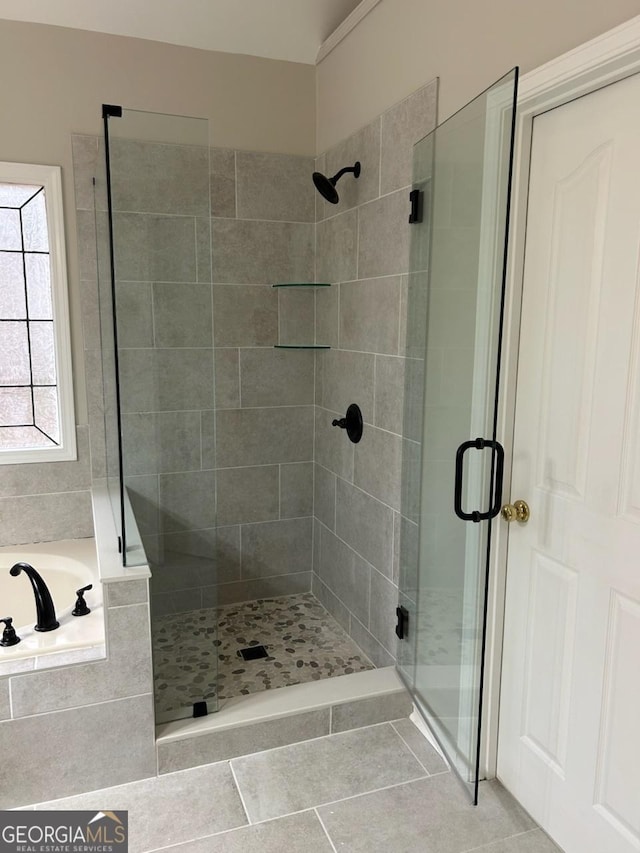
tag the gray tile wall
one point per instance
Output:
(84, 726)
(363, 250)
(218, 443)
(263, 233)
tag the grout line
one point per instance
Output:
(195, 246)
(489, 844)
(368, 494)
(426, 769)
(279, 492)
(241, 468)
(237, 784)
(279, 309)
(404, 305)
(377, 641)
(362, 793)
(317, 814)
(73, 707)
(357, 209)
(252, 755)
(375, 379)
(270, 346)
(380, 160)
(305, 222)
(121, 606)
(350, 209)
(239, 381)
(235, 180)
(44, 495)
(10, 692)
(250, 408)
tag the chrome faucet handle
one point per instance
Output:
(9, 636)
(81, 608)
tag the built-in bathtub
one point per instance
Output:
(66, 566)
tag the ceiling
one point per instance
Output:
(277, 29)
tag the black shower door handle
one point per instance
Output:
(498, 454)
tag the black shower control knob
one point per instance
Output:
(352, 422)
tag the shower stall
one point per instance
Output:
(208, 365)
(241, 314)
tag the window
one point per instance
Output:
(37, 422)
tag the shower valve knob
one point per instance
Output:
(352, 422)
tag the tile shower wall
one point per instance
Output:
(263, 233)
(363, 250)
(246, 437)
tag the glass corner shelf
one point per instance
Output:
(301, 346)
(302, 284)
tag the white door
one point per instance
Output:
(569, 741)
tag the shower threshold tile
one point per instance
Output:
(197, 655)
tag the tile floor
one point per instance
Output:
(195, 651)
(380, 789)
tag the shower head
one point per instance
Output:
(327, 186)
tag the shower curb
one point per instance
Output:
(270, 719)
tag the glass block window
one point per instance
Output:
(35, 424)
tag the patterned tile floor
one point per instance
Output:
(197, 654)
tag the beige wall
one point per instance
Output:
(54, 81)
(403, 44)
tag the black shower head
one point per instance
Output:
(327, 186)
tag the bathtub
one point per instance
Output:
(65, 566)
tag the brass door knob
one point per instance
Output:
(517, 511)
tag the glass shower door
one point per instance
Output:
(163, 454)
(452, 462)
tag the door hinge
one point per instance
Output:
(402, 628)
(415, 197)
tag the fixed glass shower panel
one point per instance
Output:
(452, 462)
(158, 200)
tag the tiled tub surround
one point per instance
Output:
(231, 426)
(197, 654)
(47, 501)
(82, 726)
(363, 249)
(65, 566)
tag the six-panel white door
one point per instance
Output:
(569, 742)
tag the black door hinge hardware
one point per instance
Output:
(415, 197)
(402, 628)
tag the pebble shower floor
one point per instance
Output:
(303, 642)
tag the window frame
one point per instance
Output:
(50, 177)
